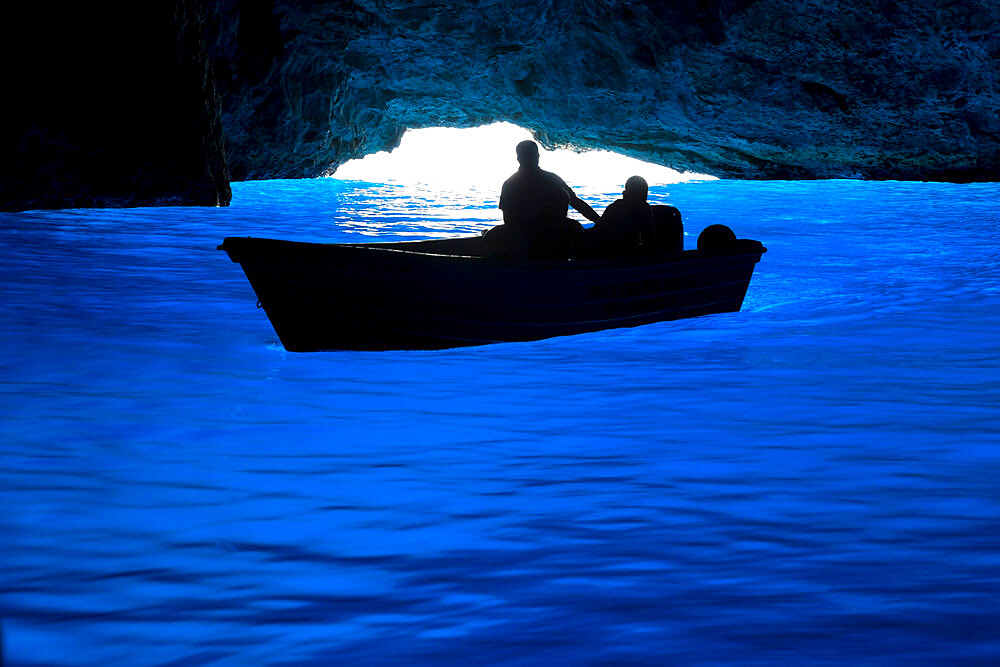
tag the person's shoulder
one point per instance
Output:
(613, 214)
(513, 179)
(553, 177)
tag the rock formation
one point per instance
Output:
(115, 103)
(737, 88)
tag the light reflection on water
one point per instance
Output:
(416, 211)
(812, 479)
(420, 210)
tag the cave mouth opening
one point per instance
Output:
(446, 159)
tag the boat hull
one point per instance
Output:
(419, 295)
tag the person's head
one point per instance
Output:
(636, 189)
(527, 153)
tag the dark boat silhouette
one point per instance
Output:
(443, 293)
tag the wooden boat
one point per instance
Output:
(443, 293)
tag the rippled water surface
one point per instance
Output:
(811, 480)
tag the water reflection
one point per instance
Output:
(418, 210)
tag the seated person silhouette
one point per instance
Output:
(534, 204)
(627, 224)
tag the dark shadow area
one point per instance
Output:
(109, 104)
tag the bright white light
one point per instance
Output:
(441, 157)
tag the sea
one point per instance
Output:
(812, 480)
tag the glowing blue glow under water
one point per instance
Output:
(812, 479)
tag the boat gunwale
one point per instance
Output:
(572, 263)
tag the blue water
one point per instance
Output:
(815, 479)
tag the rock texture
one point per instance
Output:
(115, 103)
(109, 104)
(736, 88)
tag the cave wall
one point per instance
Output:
(737, 88)
(160, 102)
(109, 104)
